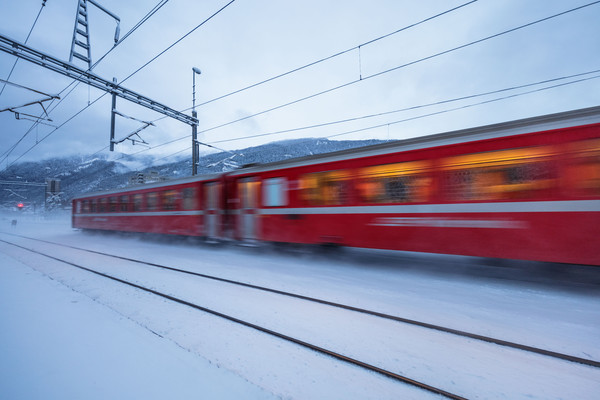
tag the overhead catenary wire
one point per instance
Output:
(75, 83)
(339, 53)
(278, 107)
(320, 125)
(363, 79)
(422, 59)
(461, 107)
(149, 14)
(316, 62)
(6, 82)
(132, 74)
(188, 148)
(387, 124)
(10, 149)
(211, 144)
(26, 40)
(179, 40)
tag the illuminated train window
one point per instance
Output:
(507, 174)
(248, 190)
(407, 182)
(583, 168)
(326, 188)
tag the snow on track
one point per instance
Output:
(288, 372)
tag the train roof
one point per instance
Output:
(154, 185)
(566, 119)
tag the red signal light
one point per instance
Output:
(20, 206)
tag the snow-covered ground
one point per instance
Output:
(68, 334)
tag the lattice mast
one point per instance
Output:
(81, 32)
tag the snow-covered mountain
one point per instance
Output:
(81, 174)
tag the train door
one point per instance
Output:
(211, 209)
(248, 192)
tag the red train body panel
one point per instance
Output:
(527, 189)
(188, 207)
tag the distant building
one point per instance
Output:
(53, 197)
(140, 178)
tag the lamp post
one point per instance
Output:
(195, 150)
(194, 72)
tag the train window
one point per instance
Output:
(102, 204)
(248, 189)
(112, 201)
(395, 183)
(170, 200)
(138, 200)
(124, 200)
(211, 195)
(189, 198)
(86, 206)
(93, 206)
(152, 201)
(326, 188)
(507, 174)
(309, 189)
(275, 192)
(583, 169)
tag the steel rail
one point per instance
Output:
(500, 342)
(259, 328)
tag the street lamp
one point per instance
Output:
(194, 72)
(195, 150)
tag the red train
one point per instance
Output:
(526, 189)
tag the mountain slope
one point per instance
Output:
(82, 174)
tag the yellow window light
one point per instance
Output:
(499, 158)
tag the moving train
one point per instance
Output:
(526, 189)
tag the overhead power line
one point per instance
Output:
(26, 40)
(38, 120)
(133, 73)
(362, 79)
(447, 101)
(340, 53)
(6, 82)
(179, 40)
(10, 74)
(330, 123)
(383, 72)
(462, 107)
(377, 74)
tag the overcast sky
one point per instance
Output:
(251, 41)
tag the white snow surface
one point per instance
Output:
(68, 334)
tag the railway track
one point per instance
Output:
(305, 344)
(434, 327)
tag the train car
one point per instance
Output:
(191, 207)
(526, 189)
